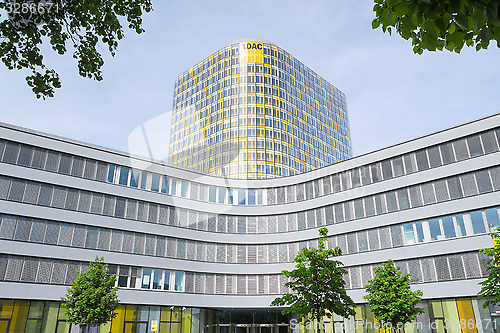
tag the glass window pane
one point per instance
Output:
(492, 217)
(111, 173)
(477, 222)
(460, 225)
(212, 194)
(260, 197)
(230, 196)
(420, 231)
(157, 279)
(184, 189)
(173, 187)
(222, 195)
(242, 197)
(251, 197)
(134, 178)
(146, 278)
(123, 176)
(448, 227)
(165, 185)
(166, 281)
(435, 230)
(179, 281)
(155, 183)
(409, 234)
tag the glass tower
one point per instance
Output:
(253, 111)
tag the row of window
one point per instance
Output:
(446, 153)
(452, 188)
(65, 234)
(469, 265)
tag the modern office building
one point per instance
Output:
(200, 253)
(253, 111)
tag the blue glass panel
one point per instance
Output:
(409, 234)
(251, 197)
(155, 183)
(166, 281)
(260, 197)
(146, 278)
(165, 185)
(435, 230)
(477, 222)
(123, 176)
(461, 225)
(179, 281)
(448, 227)
(222, 195)
(420, 231)
(492, 217)
(134, 178)
(184, 189)
(230, 196)
(111, 173)
(212, 194)
(173, 188)
(242, 197)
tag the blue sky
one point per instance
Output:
(393, 95)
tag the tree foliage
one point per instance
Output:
(317, 284)
(490, 288)
(441, 24)
(91, 300)
(85, 25)
(390, 297)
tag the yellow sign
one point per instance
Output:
(154, 326)
(251, 52)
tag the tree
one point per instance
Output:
(317, 284)
(91, 300)
(392, 301)
(437, 24)
(490, 289)
(82, 24)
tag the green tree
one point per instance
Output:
(441, 24)
(91, 300)
(490, 288)
(83, 25)
(317, 285)
(390, 297)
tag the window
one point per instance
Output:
(448, 227)
(251, 197)
(165, 185)
(435, 229)
(222, 195)
(134, 178)
(409, 234)
(173, 187)
(460, 225)
(123, 180)
(260, 197)
(146, 278)
(179, 281)
(230, 196)
(212, 194)
(155, 183)
(184, 189)
(420, 231)
(492, 217)
(157, 279)
(241, 197)
(111, 173)
(166, 281)
(477, 222)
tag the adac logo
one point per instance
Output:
(252, 46)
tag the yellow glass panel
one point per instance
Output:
(106, 327)
(437, 310)
(176, 314)
(63, 327)
(165, 314)
(359, 313)
(164, 328)
(466, 314)
(117, 322)
(451, 316)
(6, 307)
(131, 313)
(19, 316)
(3, 325)
(175, 327)
(186, 321)
(129, 328)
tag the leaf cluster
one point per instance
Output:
(441, 24)
(84, 25)
(317, 285)
(390, 297)
(92, 299)
(490, 288)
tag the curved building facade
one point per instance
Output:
(199, 253)
(253, 111)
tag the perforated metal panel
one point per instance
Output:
(241, 284)
(336, 187)
(189, 282)
(272, 224)
(211, 252)
(16, 192)
(79, 236)
(483, 181)
(460, 148)
(44, 271)
(116, 240)
(355, 277)
(212, 223)
(355, 178)
(139, 243)
(31, 193)
(271, 196)
(311, 219)
(11, 152)
(387, 169)
(171, 247)
(442, 269)
(441, 191)
(392, 204)
(23, 228)
(72, 199)
(65, 234)
(428, 193)
(428, 271)
(299, 191)
(142, 213)
(199, 284)
(160, 246)
(385, 238)
(434, 157)
(447, 153)
(380, 203)
(342, 243)
(397, 164)
(359, 209)
(273, 284)
(59, 272)
(352, 243)
(8, 227)
(495, 177)
(90, 168)
(37, 231)
(489, 142)
(104, 239)
(84, 201)
(97, 203)
(483, 263)
(52, 233)
(77, 167)
(14, 268)
(475, 147)
(366, 275)
(109, 205)
(456, 267)
(209, 283)
(469, 186)
(231, 224)
(348, 210)
(415, 270)
(29, 270)
(102, 170)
